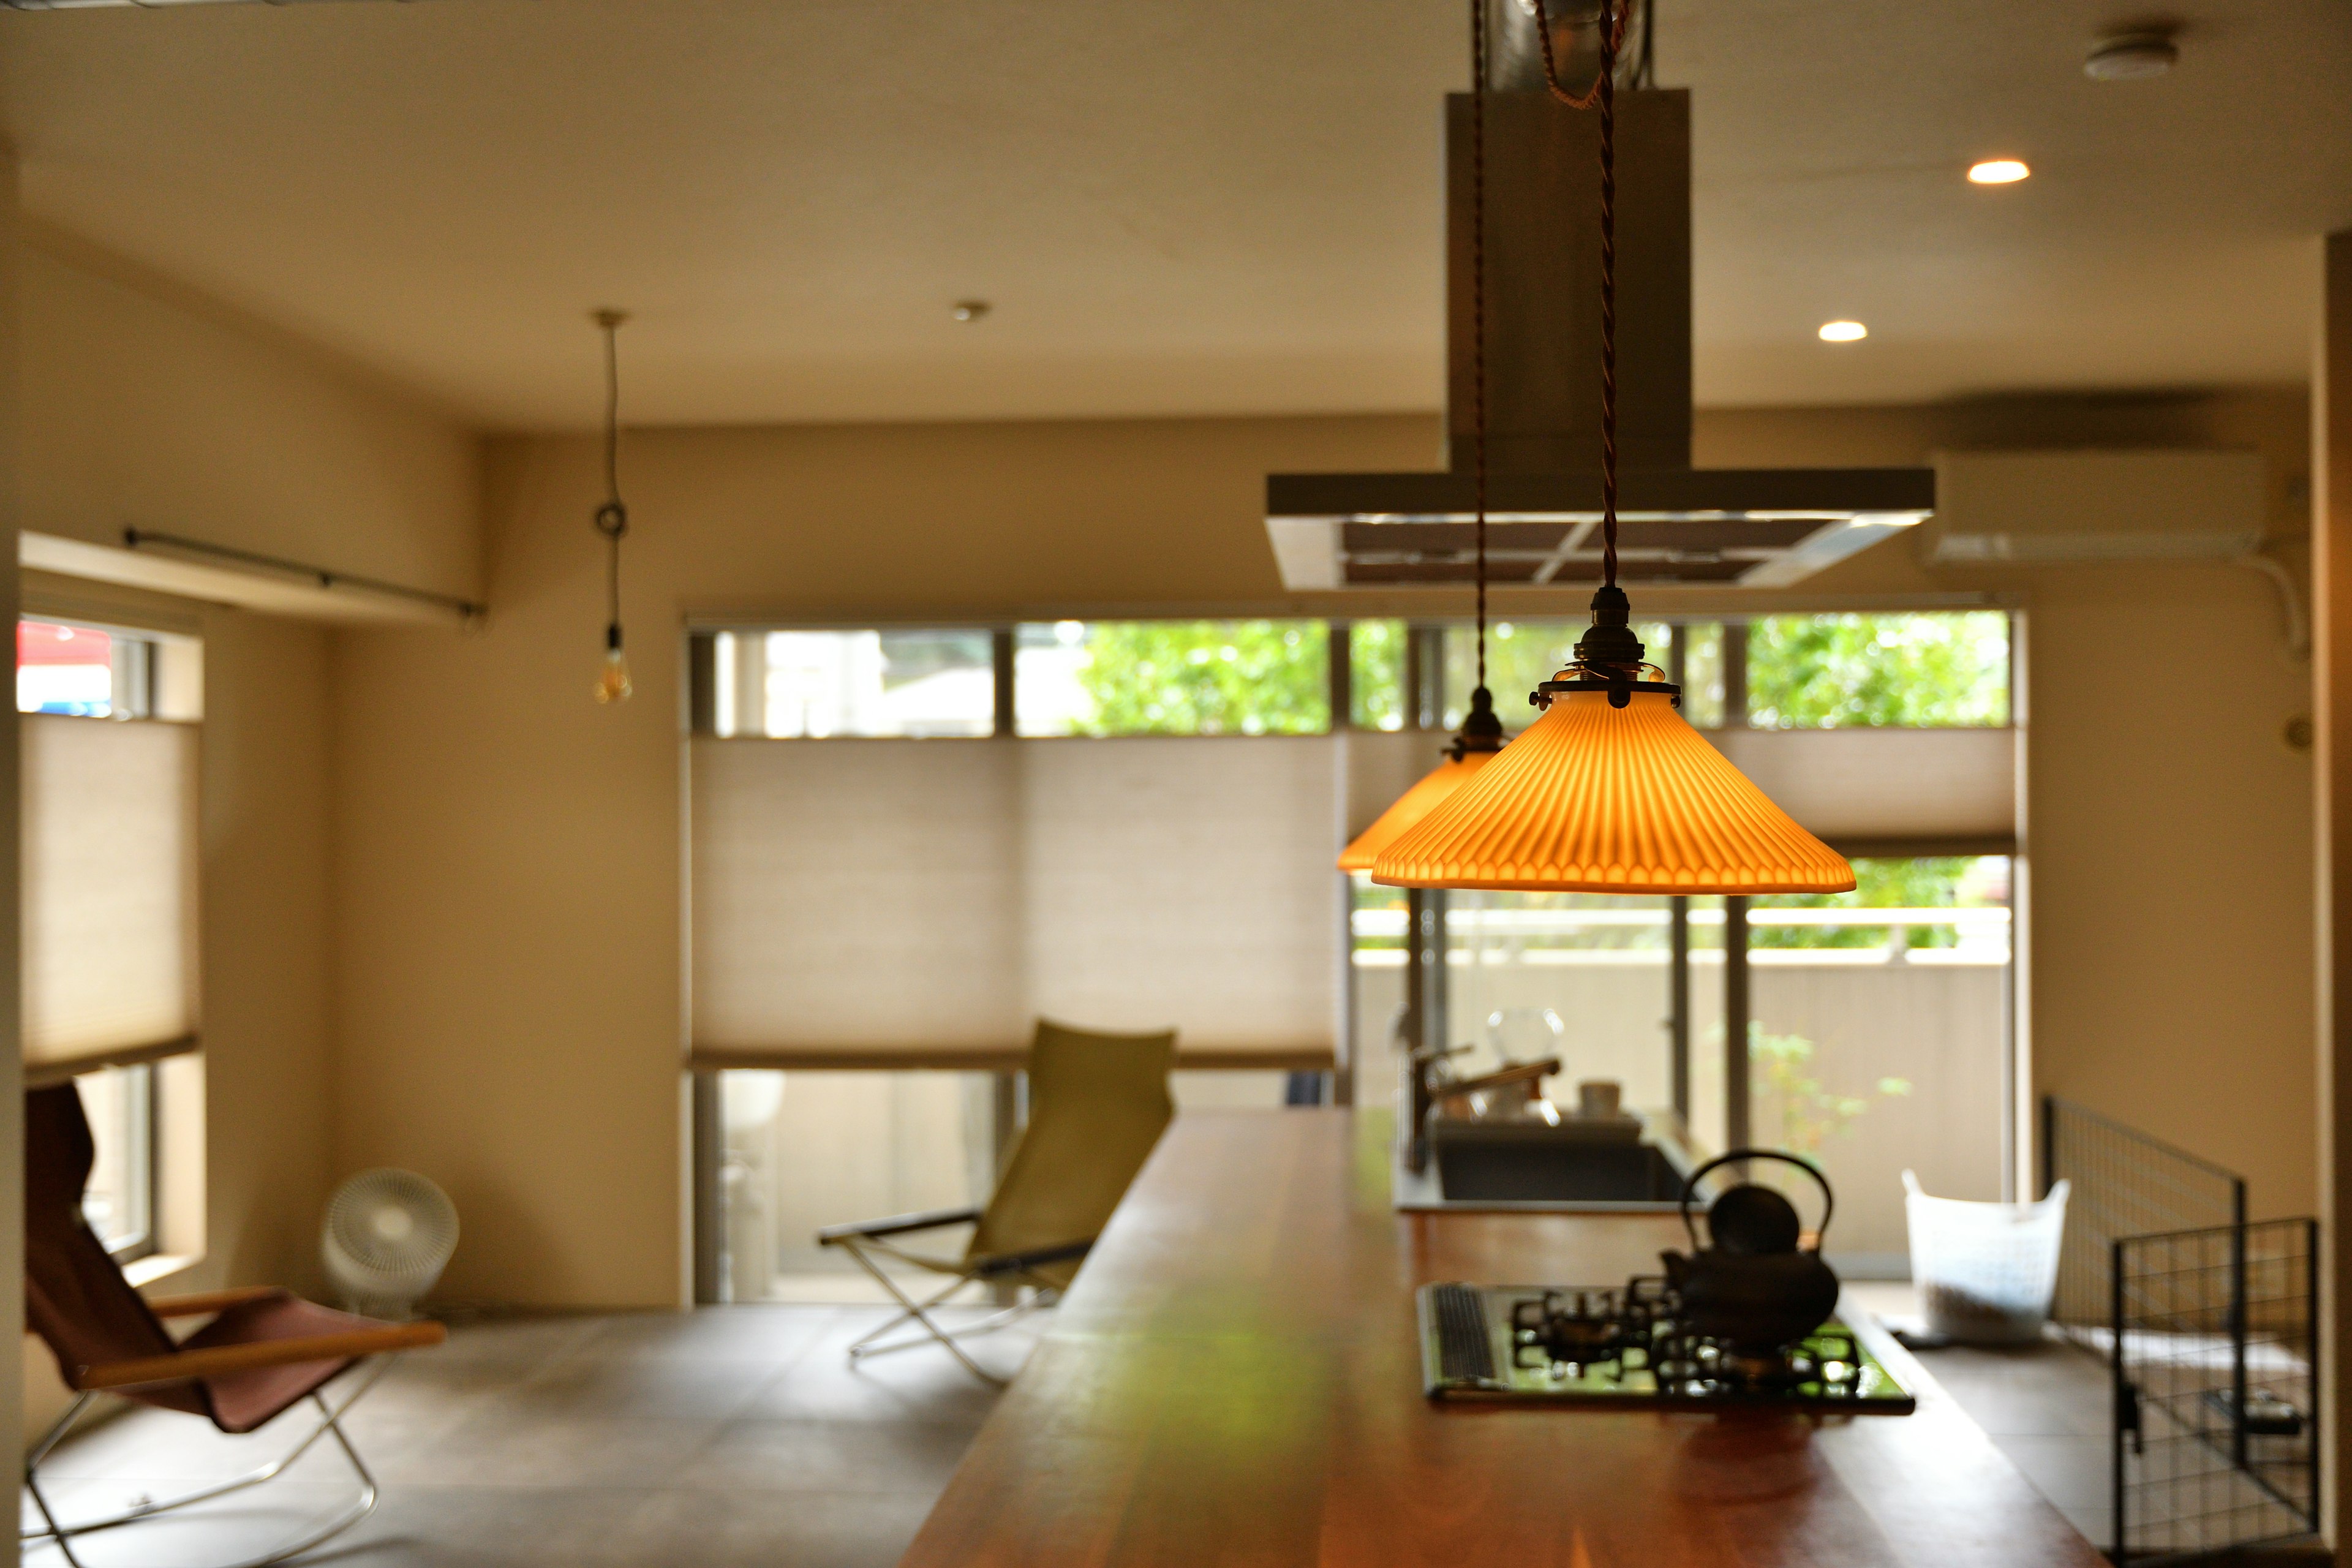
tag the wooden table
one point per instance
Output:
(1235, 1380)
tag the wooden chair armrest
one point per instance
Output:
(219, 1360)
(212, 1300)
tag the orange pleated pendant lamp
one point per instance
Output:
(1414, 804)
(1480, 741)
(1611, 791)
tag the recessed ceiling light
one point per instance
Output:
(2131, 56)
(1997, 171)
(969, 309)
(1843, 332)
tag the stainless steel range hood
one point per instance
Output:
(1738, 527)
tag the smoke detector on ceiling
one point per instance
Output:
(2132, 57)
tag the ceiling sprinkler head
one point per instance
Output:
(2132, 57)
(969, 309)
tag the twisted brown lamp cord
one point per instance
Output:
(1613, 38)
(1609, 38)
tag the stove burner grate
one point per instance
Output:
(1620, 1346)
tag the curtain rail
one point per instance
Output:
(326, 577)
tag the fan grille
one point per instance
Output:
(393, 1224)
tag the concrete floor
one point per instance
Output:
(741, 1435)
(734, 1435)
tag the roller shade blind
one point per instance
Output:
(1890, 791)
(109, 842)
(870, 902)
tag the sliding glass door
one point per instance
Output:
(1868, 1031)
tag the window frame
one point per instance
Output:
(146, 1241)
(709, 687)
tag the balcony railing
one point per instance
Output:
(1551, 936)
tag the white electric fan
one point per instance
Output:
(388, 1236)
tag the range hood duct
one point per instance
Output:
(1751, 528)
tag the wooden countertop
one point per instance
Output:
(1236, 1379)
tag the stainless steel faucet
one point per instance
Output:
(1430, 1083)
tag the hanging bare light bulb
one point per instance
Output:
(1610, 791)
(1481, 737)
(613, 518)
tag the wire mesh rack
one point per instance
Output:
(2216, 1435)
(2124, 1183)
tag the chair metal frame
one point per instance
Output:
(329, 1422)
(869, 1240)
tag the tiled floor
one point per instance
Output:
(734, 1435)
(2046, 1406)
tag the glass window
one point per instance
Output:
(1173, 678)
(120, 1201)
(1897, 907)
(919, 683)
(1521, 654)
(1878, 1032)
(1834, 671)
(804, 1149)
(801, 1149)
(1583, 976)
(1702, 672)
(74, 669)
(1376, 674)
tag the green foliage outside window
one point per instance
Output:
(1810, 1114)
(1521, 654)
(1930, 883)
(1376, 674)
(1206, 678)
(1839, 671)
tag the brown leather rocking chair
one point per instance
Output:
(265, 1351)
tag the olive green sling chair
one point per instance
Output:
(1098, 1103)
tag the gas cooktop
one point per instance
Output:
(1617, 1347)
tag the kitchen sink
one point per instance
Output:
(1557, 1171)
(1530, 1164)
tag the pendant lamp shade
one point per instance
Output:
(1410, 806)
(1598, 799)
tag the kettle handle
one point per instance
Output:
(1690, 1189)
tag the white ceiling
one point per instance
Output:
(1177, 206)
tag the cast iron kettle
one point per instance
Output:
(1755, 1288)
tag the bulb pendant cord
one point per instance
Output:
(612, 517)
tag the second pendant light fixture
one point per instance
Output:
(1610, 791)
